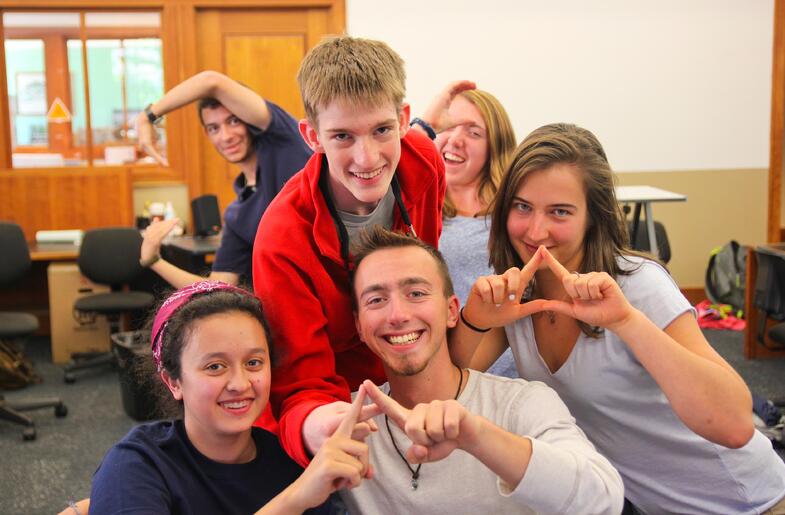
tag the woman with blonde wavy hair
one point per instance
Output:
(475, 151)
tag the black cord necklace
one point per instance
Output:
(416, 471)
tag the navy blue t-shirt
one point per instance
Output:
(280, 153)
(156, 469)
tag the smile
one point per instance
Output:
(368, 175)
(236, 405)
(453, 158)
(403, 339)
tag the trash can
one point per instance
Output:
(129, 348)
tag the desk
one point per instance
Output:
(644, 196)
(753, 348)
(54, 251)
(191, 253)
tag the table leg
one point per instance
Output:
(653, 248)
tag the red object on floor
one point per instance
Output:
(718, 316)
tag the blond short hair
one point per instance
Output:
(356, 70)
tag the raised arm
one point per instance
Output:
(493, 302)
(245, 103)
(437, 112)
(702, 388)
(150, 256)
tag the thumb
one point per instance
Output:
(558, 306)
(531, 307)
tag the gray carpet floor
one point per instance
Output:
(40, 476)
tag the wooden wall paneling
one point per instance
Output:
(318, 26)
(188, 126)
(777, 139)
(5, 115)
(86, 82)
(263, 49)
(58, 86)
(48, 199)
(212, 176)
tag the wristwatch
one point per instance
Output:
(425, 126)
(150, 114)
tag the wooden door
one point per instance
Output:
(262, 48)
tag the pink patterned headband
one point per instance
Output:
(175, 301)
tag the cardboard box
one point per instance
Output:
(72, 333)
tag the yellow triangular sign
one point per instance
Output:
(58, 113)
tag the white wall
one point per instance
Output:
(665, 85)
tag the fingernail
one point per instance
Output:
(512, 296)
(498, 305)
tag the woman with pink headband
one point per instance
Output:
(212, 351)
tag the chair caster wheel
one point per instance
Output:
(61, 410)
(28, 434)
(69, 378)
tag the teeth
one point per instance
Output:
(403, 339)
(368, 175)
(236, 404)
(449, 156)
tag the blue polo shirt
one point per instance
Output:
(280, 153)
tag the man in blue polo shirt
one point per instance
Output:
(259, 137)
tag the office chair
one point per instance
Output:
(14, 264)
(769, 294)
(639, 239)
(108, 256)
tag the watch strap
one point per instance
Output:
(425, 126)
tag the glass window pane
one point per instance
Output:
(125, 75)
(41, 20)
(48, 108)
(78, 110)
(26, 83)
(120, 19)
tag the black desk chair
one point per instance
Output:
(639, 239)
(108, 256)
(14, 264)
(769, 293)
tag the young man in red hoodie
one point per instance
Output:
(368, 168)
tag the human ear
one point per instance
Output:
(173, 385)
(453, 309)
(310, 135)
(403, 119)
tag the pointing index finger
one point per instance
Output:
(387, 404)
(346, 427)
(552, 263)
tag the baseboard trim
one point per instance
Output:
(694, 295)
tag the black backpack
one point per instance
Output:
(726, 276)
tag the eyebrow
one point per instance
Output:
(380, 124)
(212, 355)
(409, 281)
(563, 204)
(219, 122)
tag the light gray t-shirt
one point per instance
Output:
(464, 245)
(565, 475)
(666, 467)
(381, 215)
